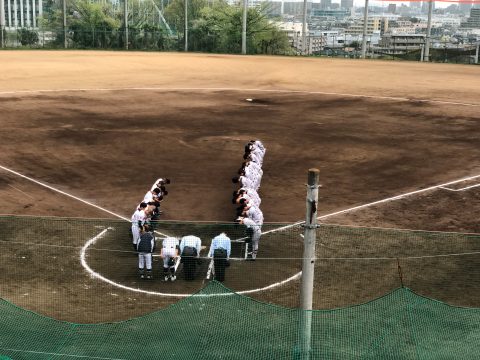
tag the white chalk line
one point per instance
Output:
(69, 195)
(295, 276)
(462, 189)
(393, 98)
(63, 193)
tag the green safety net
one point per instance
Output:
(216, 323)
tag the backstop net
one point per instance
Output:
(381, 293)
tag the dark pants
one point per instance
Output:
(189, 259)
(219, 263)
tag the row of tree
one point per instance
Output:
(212, 27)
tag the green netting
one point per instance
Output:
(216, 323)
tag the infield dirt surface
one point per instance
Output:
(103, 126)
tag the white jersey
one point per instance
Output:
(139, 216)
(246, 182)
(253, 195)
(254, 167)
(255, 214)
(169, 246)
(259, 145)
(255, 158)
(148, 197)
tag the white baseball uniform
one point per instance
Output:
(138, 216)
(256, 232)
(255, 214)
(169, 250)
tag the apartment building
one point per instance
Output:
(20, 13)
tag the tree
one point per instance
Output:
(27, 36)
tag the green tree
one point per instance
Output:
(27, 36)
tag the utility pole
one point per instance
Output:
(476, 53)
(244, 27)
(65, 45)
(304, 29)
(365, 21)
(125, 19)
(2, 23)
(308, 264)
(429, 31)
(186, 25)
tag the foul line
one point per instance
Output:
(69, 195)
(63, 192)
(394, 98)
(462, 189)
(294, 277)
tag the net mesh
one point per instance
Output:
(216, 323)
(85, 271)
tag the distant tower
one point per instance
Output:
(346, 4)
(325, 4)
(392, 8)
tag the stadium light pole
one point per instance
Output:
(429, 31)
(304, 28)
(64, 23)
(244, 27)
(125, 20)
(308, 264)
(186, 25)
(364, 38)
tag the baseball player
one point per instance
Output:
(145, 248)
(252, 175)
(250, 194)
(253, 231)
(160, 182)
(152, 195)
(244, 182)
(139, 218)
(169, 254)
(190, 247)
(220, 251)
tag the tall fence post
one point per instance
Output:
(125, 19)
(365, 29)
(2, 23)
(476, 53)
(428, 38)
(65, 45)
(244, 27)
(308, 264)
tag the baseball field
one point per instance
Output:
(83, 135)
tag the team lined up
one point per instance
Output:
(249, 179)
(143, 223)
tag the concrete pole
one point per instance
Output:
(125, 20)
(476, 53)
(2, 23)
(15, 14)
(9, 9)
(27, 3)
(244, 27)
(365, 23)
(40, 7)
(304, 29)
(186, 25)
(22, 22)
(421, 52)
(34, 15)
(429, 31)
(308, 264)
(65, 45)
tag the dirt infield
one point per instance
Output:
(139, 116)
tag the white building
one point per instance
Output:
(20, 13)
